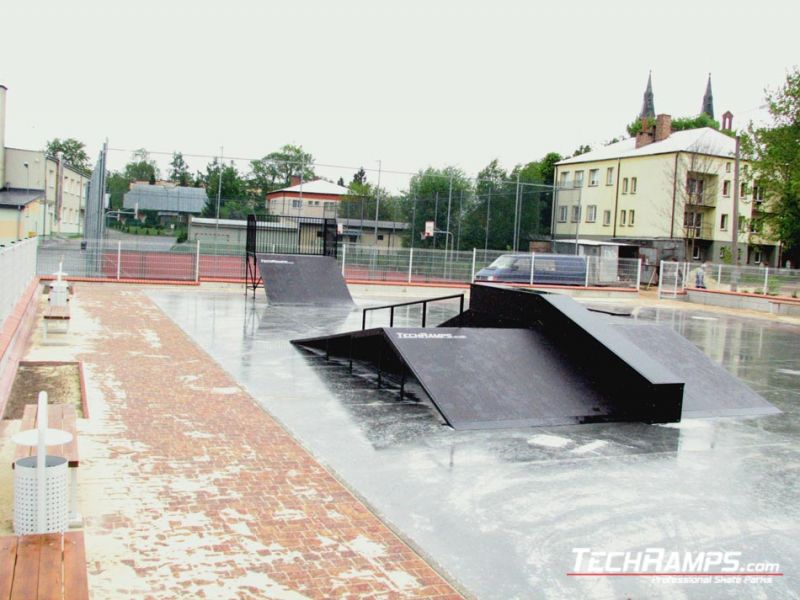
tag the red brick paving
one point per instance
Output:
(191, 490)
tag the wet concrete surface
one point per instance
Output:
(501, 511)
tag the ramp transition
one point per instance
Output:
(303, 279)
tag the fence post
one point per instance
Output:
(197, 262)
(474, 255)
(638, 274)
(766, 280)
(119, 258)
(410, 263)
(533, 259)
(344, 257)
(660, 277)
(719, 276)
(588, 261)
(678, 272)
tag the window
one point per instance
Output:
(562, 214)
(564, 181)
(741, 223)
(696, 252)
(380, 237)
(606, 218)
(726, 188)
(591, 213)
(594, 177)
(622, 215)
(722, 250)
(631, 215)
(755, 226)
(757, 256)
(576, 213)
(743, 189)
(723, 222)
(578, 179)
(297, 203)
(610, 176)
(624, 185)
(633, 185)
(727, 167)
(758, 194)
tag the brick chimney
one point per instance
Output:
(645, 135)
(295, 180)
(663, 127)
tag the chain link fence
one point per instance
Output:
(676, 277)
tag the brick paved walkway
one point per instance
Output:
(189, 489)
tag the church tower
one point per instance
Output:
(708, 100)
(648, 107)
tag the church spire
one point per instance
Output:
(708, 100)
(648, 108)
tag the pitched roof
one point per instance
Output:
(319, 186)
(703, 141)
(165, 198)
(16, 198)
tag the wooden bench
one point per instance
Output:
(56, 314)
(59, 416)
(43, 567)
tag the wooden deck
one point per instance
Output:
(50, 566)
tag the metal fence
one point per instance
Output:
(678, 276)
(413, 265)
(17, 269)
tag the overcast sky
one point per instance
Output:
(410, 83)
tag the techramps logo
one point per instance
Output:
(430, 336)
(715, 566)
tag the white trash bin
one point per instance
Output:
(26, 495)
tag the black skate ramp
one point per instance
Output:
(303, 279)
(709, 391)
(493, 378)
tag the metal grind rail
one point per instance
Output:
(424, 303)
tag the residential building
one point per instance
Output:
(39, 194)
(666, 195)
(173, 203)
(317, 199)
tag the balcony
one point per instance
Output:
(702, 199)
(700, 232)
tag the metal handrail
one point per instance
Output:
(424, 303)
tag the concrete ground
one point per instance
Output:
(192, 487)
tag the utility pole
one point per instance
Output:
(219, 192)
(735, 227)
(413, 221)
(449, 203)
(516, 216)
(435, 219)
(488, 216)
(377, 201)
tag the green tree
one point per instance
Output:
(276, 169)
(142, 167)
(74, 152)
(775, 152)
(235, 201)
(179, 170)
(427, 199)
(117, 184)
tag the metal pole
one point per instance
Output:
(766, 280)
(719, 275)
(638, 274)
(435, 219)
(474, 252)
(344, 257)
(413, 221)
(588, 261)
(197, 262)
(660, 277)
(488, 216)
(533, 258)
(410, 263)
(41, 462)
(377, 201)
(460, 217)
(516, 216)
(119, 258)
(449, 204)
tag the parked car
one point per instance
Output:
(548, 269)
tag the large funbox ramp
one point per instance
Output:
(299, 279)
